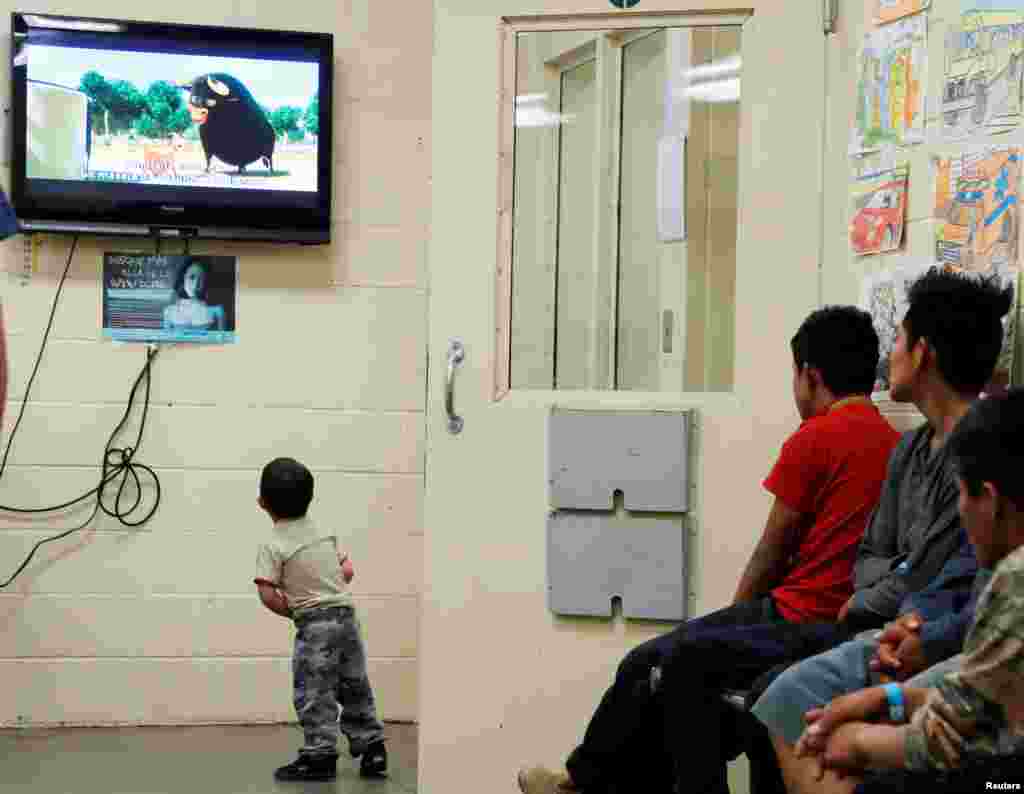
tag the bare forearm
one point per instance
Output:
(882, 746)
(765, 570)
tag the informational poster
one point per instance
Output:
(891, 78)
(878, 203)
(885, 11)
(981, 86)
(977, 208)
(155, 298)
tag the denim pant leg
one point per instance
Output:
(813, 683)
(765, 774)
(358, 720)
(623, 738)
(315, 668)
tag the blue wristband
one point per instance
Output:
(894, 694)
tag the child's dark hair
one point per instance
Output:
(987, 445)
(841, 343)
(286, 488)
(960, 316)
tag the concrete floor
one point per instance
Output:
(197, 760)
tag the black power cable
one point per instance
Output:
(116, 463)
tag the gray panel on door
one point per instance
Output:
(592, 454)
(595, 557)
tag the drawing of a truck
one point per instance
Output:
(979, 222)
(987, 48)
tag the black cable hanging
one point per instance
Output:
(116, 463)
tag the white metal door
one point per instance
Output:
(503, 681)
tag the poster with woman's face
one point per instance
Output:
(155, 298)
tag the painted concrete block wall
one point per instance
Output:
(161, 624)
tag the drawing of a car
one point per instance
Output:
(877, 225)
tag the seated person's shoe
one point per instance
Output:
(539, 780)
(306, 768)
(374, 761)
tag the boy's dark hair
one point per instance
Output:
(987, 445)
(286, 488)
(841, 342)
(960, 316)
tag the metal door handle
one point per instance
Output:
(456, 355)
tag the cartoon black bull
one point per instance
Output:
(232, 126)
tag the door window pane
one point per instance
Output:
(624, 226)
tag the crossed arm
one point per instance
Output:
(840, 737)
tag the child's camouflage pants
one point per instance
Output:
(329, 668)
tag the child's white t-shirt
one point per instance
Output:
(302, 561)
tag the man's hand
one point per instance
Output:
(900, 654)
(822, 723)
(844, 752)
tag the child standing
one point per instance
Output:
(297, 577)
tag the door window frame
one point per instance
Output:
(508, 30)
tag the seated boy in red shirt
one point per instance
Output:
(826, 482)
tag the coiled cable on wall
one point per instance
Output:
(117, 467)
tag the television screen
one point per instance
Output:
(172, 130)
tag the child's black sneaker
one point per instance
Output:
(374, 762)
(305, 768)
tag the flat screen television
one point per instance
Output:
(151, 129)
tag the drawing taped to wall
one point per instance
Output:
(884, 296)
(885, 11)
(892, 72)
(879, 208)
(1003, 373)
(977, 208)
(981, 87)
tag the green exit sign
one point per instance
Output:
(624, 3)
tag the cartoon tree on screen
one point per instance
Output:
(115, 106)
(285, 120)
(165, 112)
(312, 117)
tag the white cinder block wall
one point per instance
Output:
(162, 624)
